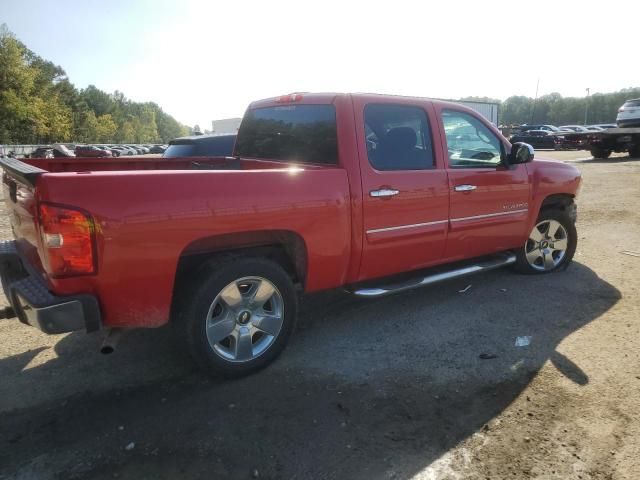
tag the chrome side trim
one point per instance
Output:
(402, 227)
(489, 215)
(439, 222)
(490, 264)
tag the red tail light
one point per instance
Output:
(68, 241)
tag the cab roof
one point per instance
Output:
(328, 98)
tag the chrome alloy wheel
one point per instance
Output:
(245, 319)
(547, 245)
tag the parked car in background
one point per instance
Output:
(129, 150)
(547, 128)
(594, 128)
(42, 152)
(54, 151)
(120, 150)
(605, 126)
(201, 146)
(158, 149)
(629, 114)
(573, 128)
(92, 151)
(114, 153)
(539, 139)
(137, 149)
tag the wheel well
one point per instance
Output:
(559, 201)
(283, 247)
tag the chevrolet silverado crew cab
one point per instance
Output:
(373, 194)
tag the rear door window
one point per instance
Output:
(292, 133)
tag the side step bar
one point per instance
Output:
(483, 266)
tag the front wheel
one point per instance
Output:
(239, 315)
(550, 246)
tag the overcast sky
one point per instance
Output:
(205, 60)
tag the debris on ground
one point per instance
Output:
(523, 341)
(488, 356)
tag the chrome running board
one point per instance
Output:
(490, 263)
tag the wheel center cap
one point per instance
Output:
(544, 244)
(244, 317)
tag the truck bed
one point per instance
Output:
(150, 213)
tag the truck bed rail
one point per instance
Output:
(20, 170)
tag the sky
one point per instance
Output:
(204, 60)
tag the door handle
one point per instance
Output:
(465, 188)
(384, 192)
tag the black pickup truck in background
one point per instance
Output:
(201, 146)
(603, 144)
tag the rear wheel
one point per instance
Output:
(551, 244)
(599, 152)
(239, 316)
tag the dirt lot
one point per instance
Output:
(392, 388)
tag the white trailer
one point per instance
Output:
(486, 109)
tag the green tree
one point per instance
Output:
(38, 104)
(126, 133)
(106, 128)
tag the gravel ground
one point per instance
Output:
(392, 388)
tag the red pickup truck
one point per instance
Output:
(371, 193)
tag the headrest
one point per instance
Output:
(400, 138)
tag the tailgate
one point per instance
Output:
(18, 185)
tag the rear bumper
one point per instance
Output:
(35, 305)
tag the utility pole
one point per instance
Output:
(535, 100)
(586, 108)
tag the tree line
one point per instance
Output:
(38, 105)
(554, 109)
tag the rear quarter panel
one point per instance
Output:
(145, 220)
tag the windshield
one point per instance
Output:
(295, 133)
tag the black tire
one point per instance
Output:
(198, 296)
(522, 265)
(599, 152)
(634, 151)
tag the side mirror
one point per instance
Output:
(520, 153)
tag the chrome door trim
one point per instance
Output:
(465, 188)
(402, 227)
(489, 215)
